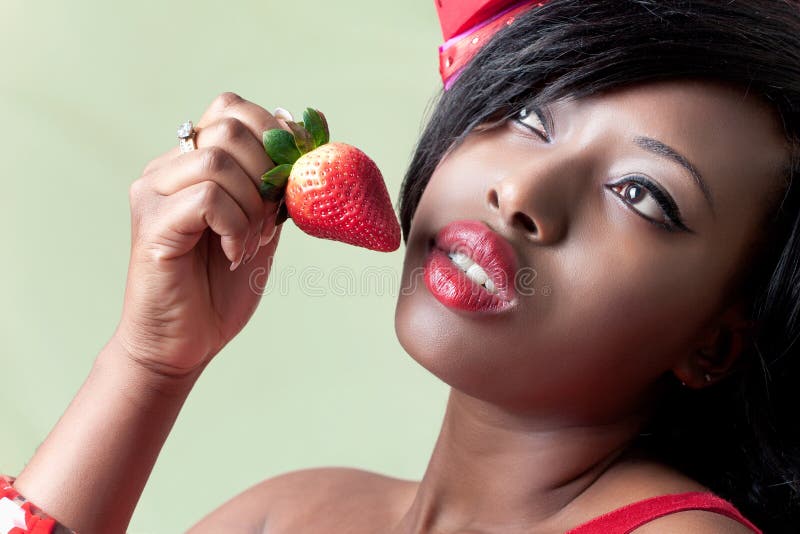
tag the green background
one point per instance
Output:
(89, 93)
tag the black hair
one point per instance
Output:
(740, 437)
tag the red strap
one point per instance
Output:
(628, 518)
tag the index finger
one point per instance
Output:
(253, 116)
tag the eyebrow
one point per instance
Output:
(657, 147)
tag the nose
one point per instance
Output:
(530, 204)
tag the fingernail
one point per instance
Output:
(281, 113)
(256, 244)
(238, 262)
(265, 239)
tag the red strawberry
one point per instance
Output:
(330, 190)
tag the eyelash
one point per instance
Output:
(523, 113)
(664, 201)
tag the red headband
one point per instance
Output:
(468, 24)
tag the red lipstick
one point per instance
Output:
(450, 284)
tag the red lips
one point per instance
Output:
(451, 286)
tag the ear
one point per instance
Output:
(718, 349)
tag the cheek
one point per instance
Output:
(461, 179)
(622, 316)
(458, 191)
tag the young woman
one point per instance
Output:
(640, 158)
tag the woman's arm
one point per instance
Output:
(197, 220)
(90, 471)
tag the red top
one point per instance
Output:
(626, 519)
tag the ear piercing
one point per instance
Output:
(707, 377)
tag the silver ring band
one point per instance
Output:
(186, 136)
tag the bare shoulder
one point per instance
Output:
(305, 499)
(694, 522)
(636, 479)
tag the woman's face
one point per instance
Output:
(613, 287)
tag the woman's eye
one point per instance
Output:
(649, 202)
(533, 120)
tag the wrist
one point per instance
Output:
(118, 358)
(109, 437)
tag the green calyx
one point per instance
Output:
(284, 148)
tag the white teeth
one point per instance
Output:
(462, 260)
(473, 271)
(476, 273)
(490, 287)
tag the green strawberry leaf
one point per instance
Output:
(271, 192)
(316, 124)
(278, 175)
(302, 138)
(324, 125)
(280, 146)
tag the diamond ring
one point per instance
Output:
(186, 135)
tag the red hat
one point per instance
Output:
(468, 24)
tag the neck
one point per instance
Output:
(504, 472)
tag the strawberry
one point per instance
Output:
(330, 190)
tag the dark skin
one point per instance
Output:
(546, 396)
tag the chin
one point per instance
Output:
(458, 347)
(426, 332)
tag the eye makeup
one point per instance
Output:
(663, 199)
(526, 114)
(540, 122)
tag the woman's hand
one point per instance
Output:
(192, 215)
(199, 228)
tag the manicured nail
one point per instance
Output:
(238, 262)
(265, 239)
(281, 113)
(254, 248)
